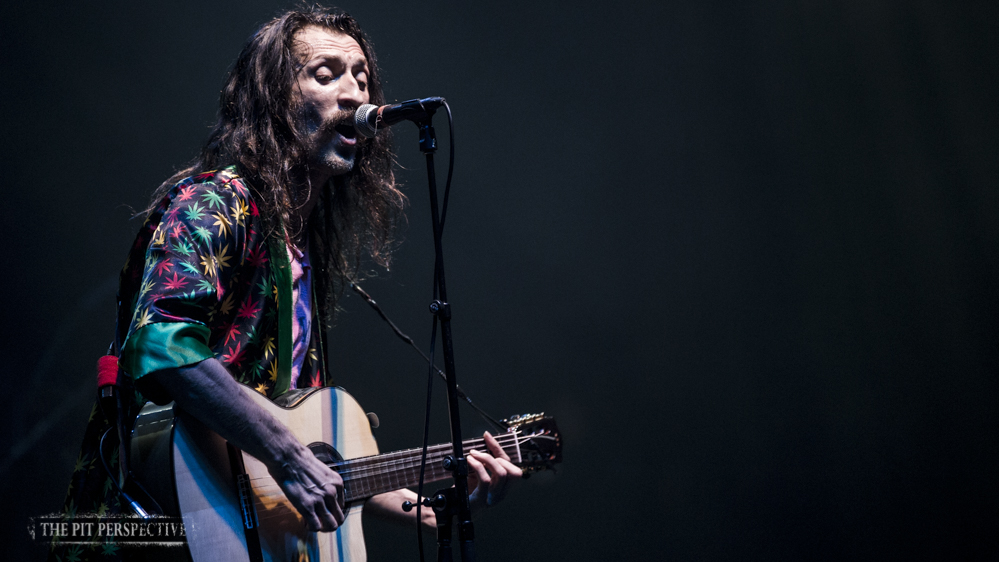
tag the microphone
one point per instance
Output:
(369, 118)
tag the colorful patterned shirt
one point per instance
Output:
(202, 280)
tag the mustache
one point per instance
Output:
(341, 118)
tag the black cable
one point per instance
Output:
(131, 502)
(426, 440)
(447, 192)
(461, 393)
(450, 166)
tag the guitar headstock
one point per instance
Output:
(540, 442)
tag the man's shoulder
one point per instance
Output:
(218, 181)
(216, 197)
(216, 190)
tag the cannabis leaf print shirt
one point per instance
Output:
(201, 282)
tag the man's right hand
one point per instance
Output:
(314, 490)
(207, 391)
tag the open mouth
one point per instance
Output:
(346, 130)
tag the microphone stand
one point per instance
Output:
(450, 502)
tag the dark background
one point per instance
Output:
(745, 255)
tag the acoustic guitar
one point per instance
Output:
(234, 511)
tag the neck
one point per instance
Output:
(308, 184)
(318, 176)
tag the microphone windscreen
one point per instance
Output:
(365, 119)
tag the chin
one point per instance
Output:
(338, 164)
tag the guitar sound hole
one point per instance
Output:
(325, 452)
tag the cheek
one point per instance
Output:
(324, 106)
(310, 114)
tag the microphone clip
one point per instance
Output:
(369, 118)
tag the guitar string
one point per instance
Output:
(371, 474)
(370, 477)
(351, 465)
(259, 498)
(379, 472)
(261, 494)
(365, 469)
(377, 475)
(364, 486)
(368, 486)
(361, 489)
(379, 462)
(270, 491)
(357, 482)
(468, 444)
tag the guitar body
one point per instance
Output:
(207, 485)
(234, 511)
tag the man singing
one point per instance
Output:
(234, 275)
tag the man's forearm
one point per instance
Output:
(209, 393)
(388, 506)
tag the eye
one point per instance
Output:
(362, 80)
(324, 75)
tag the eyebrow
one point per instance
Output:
(362, 61)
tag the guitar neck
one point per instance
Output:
(369, 476)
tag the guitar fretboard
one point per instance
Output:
(369, 476)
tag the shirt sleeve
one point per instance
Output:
(189, 266)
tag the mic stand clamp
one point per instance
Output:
(445, 507)
(443, 311)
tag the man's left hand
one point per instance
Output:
(489, 475)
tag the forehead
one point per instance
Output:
(313, 42)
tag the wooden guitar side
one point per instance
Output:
(208, 498)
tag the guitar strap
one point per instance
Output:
(282, 273)
(285, 307)
(249, 512)
(317, 328)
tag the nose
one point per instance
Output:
(351, 96)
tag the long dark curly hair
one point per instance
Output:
(258, 131)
